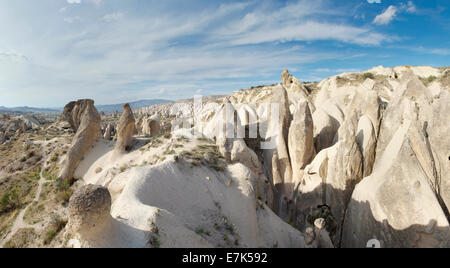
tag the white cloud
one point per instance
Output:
(374, 1)
(300, 21)
(409, 7)
(72, 19)
(223, 48)
(113, 16)
(97, 2)
(386, 17)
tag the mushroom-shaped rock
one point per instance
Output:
(89, 210)
(86, 122)
(125, 129)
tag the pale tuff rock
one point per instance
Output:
(396, 203)
(344, 172)
(325, 129)
(331, 177)
(73, 113)
(240, 153)
(151, 126)
(66, 116)
(301, 140)
(144, 204)
(86, 123)
(125, 129)
(108, 132)
(89, 210)
(403, 201)
(282, 169)
(293, 84)
(366, 139)
(359, 159)
(11, 127)
(29, 122)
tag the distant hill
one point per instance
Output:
(111, 108)
(26, 109)
(108, 108)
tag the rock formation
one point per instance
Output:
(404, 202)
(293, 84)
(325, 129)
(108, 132)
(85, 120)
(282, 170)
(301, 140)
(89, 210)
(151, 126)
(125, 129)
(354, 159)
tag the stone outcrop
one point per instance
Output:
(353, 159)
(241, 153)
(72, 114)
(325, 129)
(109, 131)
(293, 84)
(366, 139)
(301, 140)
(12, 127)
(282, 170)
(125, 130)
(404, 202)
(151, 126)
(396, 204)
(89, 210)
(86, 122)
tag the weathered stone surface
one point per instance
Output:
(108, 131)
(283, 169)
(89, 210)
(125, 129)
(151, 126)
(366, 139)
(86, 121)
(396, 204)
(301, 140)
(293, 84)
(325, 129)
(403, 202)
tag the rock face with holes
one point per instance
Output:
(125, 129)
(85, 121)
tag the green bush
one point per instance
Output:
(369, 75)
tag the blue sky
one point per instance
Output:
(54, 51)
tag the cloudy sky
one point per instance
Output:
(54, 51)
